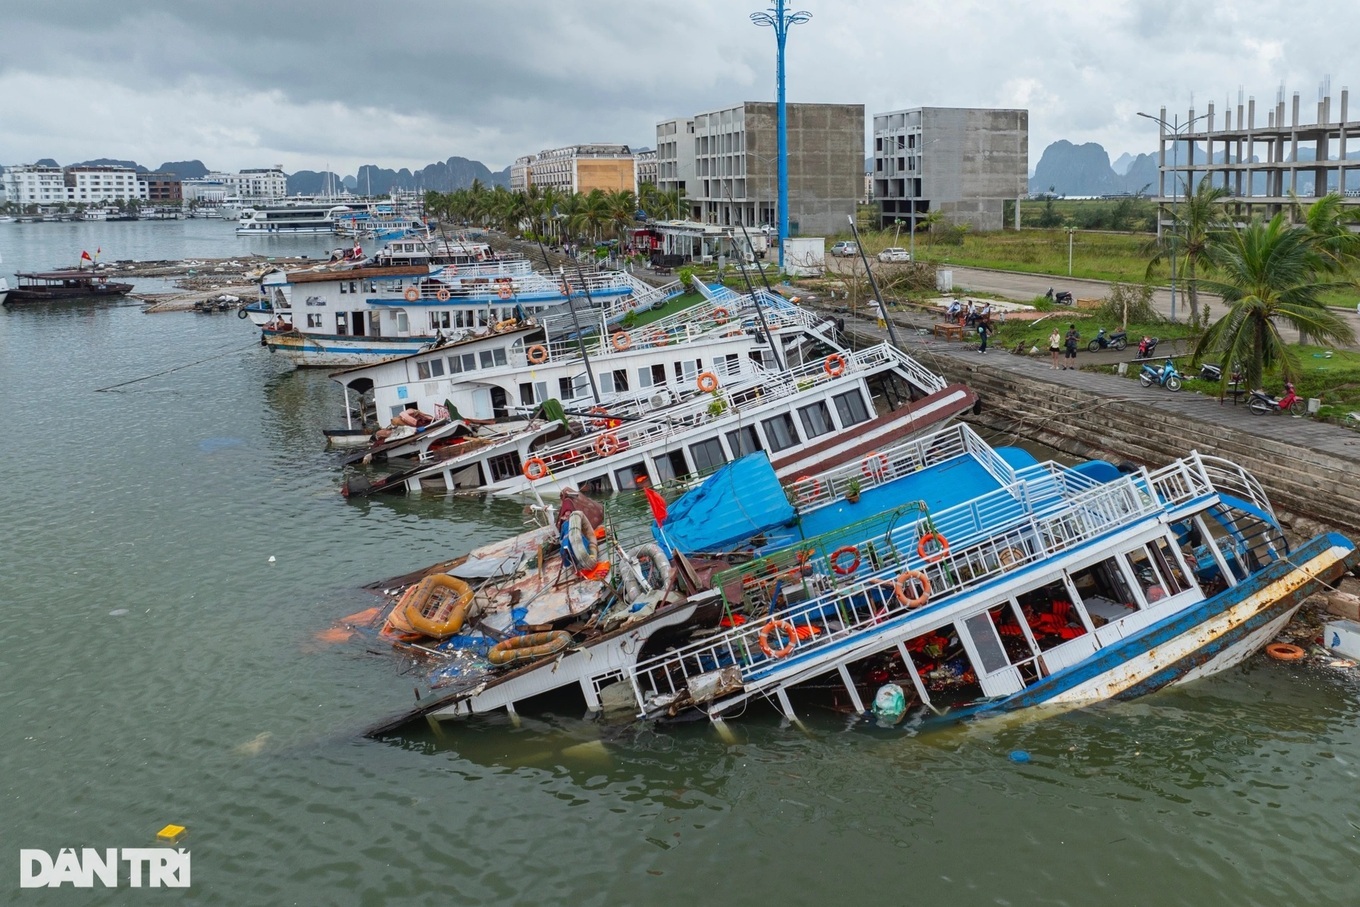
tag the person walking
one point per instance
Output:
(1071, 342)
(984, 330)
(1054, 346)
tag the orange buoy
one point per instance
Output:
(1284, 651)
(875, 466)
(538, 354)
(443, 294)
(834, 365)
(812, 492)
(535, 468)
(845, 569)
(607, 444)
(412, 294)
(784, 627)
(939, 552)
(622, 340)
(708, 382)
(505, 292)
(900, 588)
(720, 315)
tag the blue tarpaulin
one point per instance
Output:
(738, 501)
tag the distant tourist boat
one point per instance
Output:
(52, 286)
(4, 290)
(291, 220)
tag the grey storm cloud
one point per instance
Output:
(310, 84)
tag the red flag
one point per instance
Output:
(658, 505)
(85, 256)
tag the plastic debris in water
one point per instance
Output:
(890, 703)
(118, 612)
(1019, 756)
(272, 558)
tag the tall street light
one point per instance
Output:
(1175, 131)
(780, 21)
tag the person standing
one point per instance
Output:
(1071, 342)
(984, 330)
(879, 314)
(1054, 346)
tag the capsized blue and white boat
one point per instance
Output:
(975, 579)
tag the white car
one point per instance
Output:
(844, 249)
(894, 254)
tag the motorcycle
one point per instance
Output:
(1146, 347)
(1119, 340)
(1210, 372)
(1262, 403)
(1062, 298)
(1168, 376)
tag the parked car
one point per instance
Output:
(894, 253)
(845, 249)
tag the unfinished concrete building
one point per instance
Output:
(964, 162)
(1261, 166)
(726, 161)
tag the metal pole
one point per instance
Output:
(1175, 210)
(781, 32)
(1069, 251)
(878, 297)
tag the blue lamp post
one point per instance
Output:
(780, 21)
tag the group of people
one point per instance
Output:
(972, 316)
(1067, 344)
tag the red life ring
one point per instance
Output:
(443, 294)
(505, 292)
(412, 294)
(607, 445)
(875, 466)
(834, 365)
(708, 382)
(813, 493)
(784, 627)
(535, 469)
(657, 338)
(538, 353)
(622, 340)
(938, 555)
(900, 588)
(1283, 651)
(598, 422)
(720, 315)
(845, 569)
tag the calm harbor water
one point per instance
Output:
(158, 668)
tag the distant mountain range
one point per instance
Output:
(1067, 169)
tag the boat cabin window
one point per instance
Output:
(580, 386)
(851, 409)
(493, 358)
(1049, 615)
(620, 379)
(531, 393)
(343, 288)
(565, 390)
(430, 368)
(631, 477)
(816, 419)
(353, 286)
(462, 363)
(707, 455)
(1105, 591)
(342, 323)
(1158, 572)
(403, 323)
(780, 433)
(652, 376)
(440, 320)
(687, 371)
(728, 365)
(743, 441)
(313, 319)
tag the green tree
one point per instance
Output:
(1196, 222)
(1269, 275)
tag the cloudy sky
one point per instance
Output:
(306, 84)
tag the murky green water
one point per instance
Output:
(210, 704)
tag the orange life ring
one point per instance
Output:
(708, 382)
(834, 365)
(784, 627)
(720, 315)
(657, 338)
(622, 340)
(607, 444)
(938, 555)
(900, 588)
(538, 353)
(875, 466)
(535, 469)
(505, 292)
(813, 494)
(845, 569)
(598, 412)
(1283, 651)
(452, 269)
(412, 294)
(443, 294)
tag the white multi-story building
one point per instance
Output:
(207, 190)
(35, 184)
(260, 183)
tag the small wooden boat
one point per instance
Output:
(53, 286)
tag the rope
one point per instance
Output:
(100, 390)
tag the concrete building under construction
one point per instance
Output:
(1262, 166)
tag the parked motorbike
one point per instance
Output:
(1119, 340)
(1146, 347)
(1210, 372)
(1061, 298)
(1262, 403)
(1168, 376)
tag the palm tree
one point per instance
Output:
(1326, 221)
(1270, 274)
(595, 209)
(623, 206)
(1195, 224)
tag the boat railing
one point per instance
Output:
(1232, 479)
(886, 465)
(851, 603)
(642, 297)
(516, 267)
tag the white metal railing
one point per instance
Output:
(1053, 511)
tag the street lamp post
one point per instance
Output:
(1070, 231)
(780, 21)
(1175, 129)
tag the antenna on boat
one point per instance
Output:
(878, 297)
(755, 300)
(576, 322)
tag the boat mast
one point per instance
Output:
(892, 335)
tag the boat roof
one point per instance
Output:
(321, 276)
(61, 275)
(739, 500)
(454, 344)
